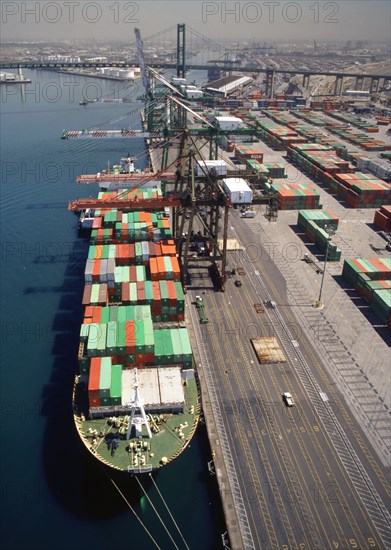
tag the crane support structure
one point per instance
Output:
(200, 205)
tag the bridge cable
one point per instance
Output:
(168, 510)
(156, 512)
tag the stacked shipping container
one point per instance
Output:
(372, 280)
(129, 286)
(382, 218)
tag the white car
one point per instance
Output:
(288, 399)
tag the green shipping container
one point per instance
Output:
(101, 345)
(105, 377)
(185, 343)
(159, 347)
(105, 315)
(168, 348)
(164, 293)
(121, 338)
(176, 346)
(116, 385)
(93, 336)
(122, 314)
(180, 296)
(84, 330)
(149, 341)
(140, 336)
(113, 313)
(111, 337)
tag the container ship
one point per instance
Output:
(136, 396)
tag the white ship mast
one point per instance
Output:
(138, 420)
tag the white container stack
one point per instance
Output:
(238, 190)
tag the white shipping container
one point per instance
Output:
(145, 250)
(194, 93)
(103, 271)
(88, 271)
(229, 122)
(238, 190)
(203, 166)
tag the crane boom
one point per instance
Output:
(124, 204)
(138, 179)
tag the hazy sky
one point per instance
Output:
(105, 20)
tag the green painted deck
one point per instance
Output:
(132, 453)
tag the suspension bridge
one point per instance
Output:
(181, 48)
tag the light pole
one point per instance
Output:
(331, 231)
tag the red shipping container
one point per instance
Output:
(141, 292)
(94, 401)
(125, 292)
(156, 309)
(97, 223)
(382, 221)
(132, 274)
(130, 252)
(86, 295)
(124, 232)
(103, 296)
(143, 358)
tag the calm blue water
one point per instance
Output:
(53, 496)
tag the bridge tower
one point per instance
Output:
(270, 75)
(338, 85)
(181, 50)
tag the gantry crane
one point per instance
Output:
(191, 197)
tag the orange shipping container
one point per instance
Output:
(161, 267)
(97, 314)
(175, 268)
(88, 311)
(153, 269)
(172, 299)
(93, 381)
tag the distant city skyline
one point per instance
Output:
(105, 21)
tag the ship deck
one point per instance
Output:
(138, 455)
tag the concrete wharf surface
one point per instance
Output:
(258, 457)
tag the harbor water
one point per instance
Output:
(53, 494)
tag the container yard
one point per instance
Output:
(140, 267)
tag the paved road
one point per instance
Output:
(305, 475)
